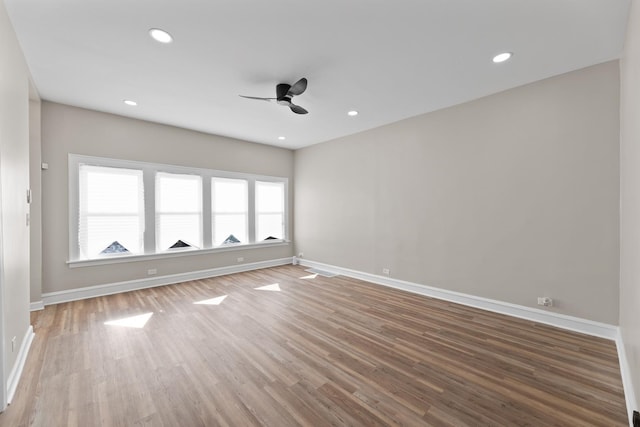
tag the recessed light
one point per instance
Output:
(501, 57)
(160, 35)
(130, 102)
(282, 138)
(352, 113)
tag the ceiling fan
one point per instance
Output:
(284, 93)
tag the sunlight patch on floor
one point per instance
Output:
(212, 301)
(322, 273)
(311, 276)
(274, 288)
(131, 322)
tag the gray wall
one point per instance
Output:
(35, 151)
(73, 130)
(630, 198)
(14, 181)
(508, 197)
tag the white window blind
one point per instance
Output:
(110, 211)
(270, 210)
(178, 211)
(229, 210)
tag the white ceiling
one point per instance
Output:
(387, 59)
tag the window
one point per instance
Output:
(123, 209)
(110, 211)
(270, 212)
(229, 211)
(178, 211)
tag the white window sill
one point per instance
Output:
(117, 259)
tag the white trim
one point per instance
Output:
(131, 285)
(563, 321)
(178, 253)
(36, 306)
(625, 373)
(16, 372)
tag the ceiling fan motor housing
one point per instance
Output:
(285, 100)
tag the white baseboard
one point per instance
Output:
(132, 285)
(571, 323)
(627, 384)
(16, 371)
(36, 306)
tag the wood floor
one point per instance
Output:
(309, 351)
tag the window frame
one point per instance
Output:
(158, 249)
(285, 219)
(141, 218)
(149, 170)
(248, 229)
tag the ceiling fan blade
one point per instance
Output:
(298, 87)
(258, 98)
(282, 90)
(298, 109)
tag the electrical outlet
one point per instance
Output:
(386, 271)
(13, 344)
(545, 301)
(240, 259)
(152, 271)
(301, 255)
